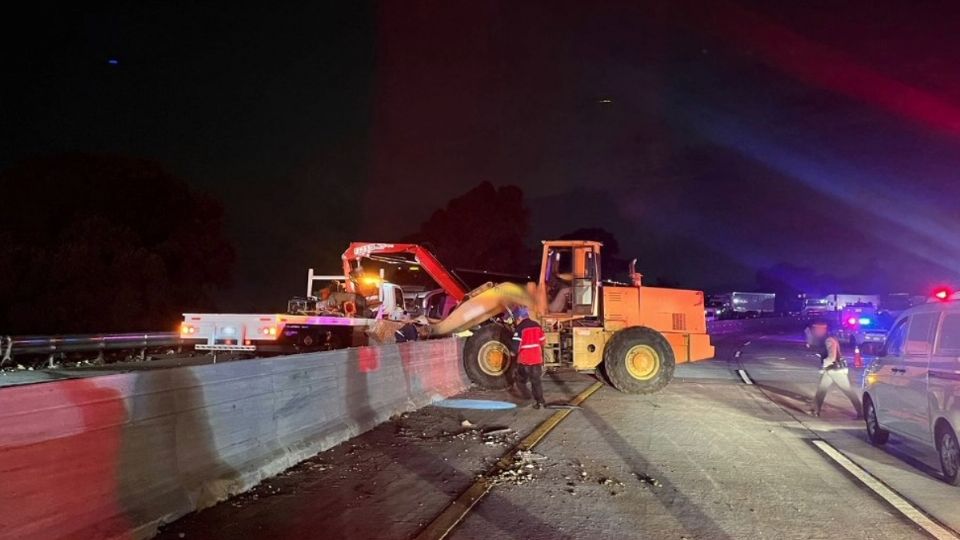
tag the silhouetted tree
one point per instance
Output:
(485, 228)
(99, 243)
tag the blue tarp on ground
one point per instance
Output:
(487, 404)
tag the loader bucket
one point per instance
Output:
(481, 308)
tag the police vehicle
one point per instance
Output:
(912, 390)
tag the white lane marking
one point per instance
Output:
(744, 376)
(737, 354)
(747, 343)
(895, 500)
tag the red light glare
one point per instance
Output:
(852, 321)
(942, 293)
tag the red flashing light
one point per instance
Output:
(852, 321)
(942, 293)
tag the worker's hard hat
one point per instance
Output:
(521, 312)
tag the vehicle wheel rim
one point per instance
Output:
(643, 362)
(872, 424)
(493, 358)
(949, 455)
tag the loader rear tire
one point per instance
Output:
(486, 357)
(638, 360)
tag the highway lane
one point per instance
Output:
(708, 457)
(786, 372)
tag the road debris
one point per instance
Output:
(521, 469)
(559, 405)
(581, 474)
(648, 480)
(604, 481)
(499, 437)
(318, 467)
(496, 436)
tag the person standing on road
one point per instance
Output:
(833, 368)
(527, 348)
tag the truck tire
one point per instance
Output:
(875, 434)
(486, 357)
(949, 451)
(638, 360)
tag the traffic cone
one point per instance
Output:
(857, 358)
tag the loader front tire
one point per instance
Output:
(486, 357)
(638, 360)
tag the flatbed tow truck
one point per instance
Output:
(334, 317)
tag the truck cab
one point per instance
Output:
(314, 322)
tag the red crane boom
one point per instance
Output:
(426, 260)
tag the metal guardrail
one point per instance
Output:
(11, 346)
(743, 325)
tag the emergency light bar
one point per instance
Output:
(943, 294)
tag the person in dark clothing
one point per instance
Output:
(833, 368)
(406, 333)
(527, 348)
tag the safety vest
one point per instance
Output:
(528, 340)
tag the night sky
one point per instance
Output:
(714, 139)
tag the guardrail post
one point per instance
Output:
(6, 345)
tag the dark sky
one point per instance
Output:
(712, 138)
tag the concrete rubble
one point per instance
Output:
(521, 469)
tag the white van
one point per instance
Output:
(913, 389)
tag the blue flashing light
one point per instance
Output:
(864, 321)
(113, 61)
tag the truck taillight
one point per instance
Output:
(186, 329)
(269, 330)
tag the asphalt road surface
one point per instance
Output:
(710, 456)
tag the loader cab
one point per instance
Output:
(570, 279)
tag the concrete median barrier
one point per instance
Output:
(117, 456)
